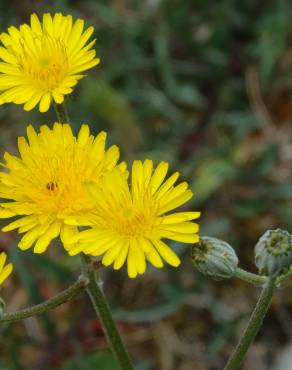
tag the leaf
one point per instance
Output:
(190, 95)
(52, 268)
(272, 30)
(210, 176)
(97, 360)
(174, 296)
(102, 99)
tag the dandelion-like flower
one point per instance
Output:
(5, 269)
(41, 62)
(44, 186)
(131, 222)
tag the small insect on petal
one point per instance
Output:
(45, 187)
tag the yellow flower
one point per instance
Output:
(45, 185)
(41, 62)
(5, 271)
(131, 222)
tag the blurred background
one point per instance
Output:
(206, 86)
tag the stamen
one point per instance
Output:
(52, 186)
(47, 64)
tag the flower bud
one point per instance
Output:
(215, 258)
(273, 252)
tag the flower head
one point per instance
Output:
(44, 185)
(5, 270)
(41, 62)
(131, 222)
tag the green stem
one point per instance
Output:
(255, 323)
(65, 296)
(61, 112)
(284, 277)
(95, 292)
(260, 280)
(103, 311)
(250, 277)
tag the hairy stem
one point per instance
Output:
(103, 311)
(255, 323)
(59, 299)
(95, 292)
(250, 277)
(61, 113)
(284, 277)
(261, 280)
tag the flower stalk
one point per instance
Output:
(281, 279)
(61, 113)
(250, 277)
(96, 295)
(253, 326)
(103, 311)
(63, 297)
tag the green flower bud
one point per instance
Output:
(215, 258)
(273, 252)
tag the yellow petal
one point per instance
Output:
(131, 264)
(28, 239)
(121, 258)
(179, 217)
(6, 272)
(111, 255)
(158, 176)
(3, 258)
(83, 135)
(166, 253)
(35, 24)
(45, 102)
(43, 242)
(69, 234)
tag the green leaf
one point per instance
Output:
(272, 28)
(210, 176)
(174, 296)
(97, 360)
(105, 101)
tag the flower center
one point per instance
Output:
(44, 62)
(132, 222)
(64, 196)
(56, 187)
